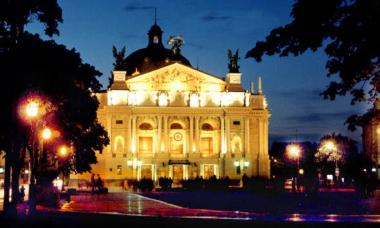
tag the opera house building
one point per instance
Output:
(166, 118)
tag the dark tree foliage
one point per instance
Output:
(347, 29)
(68, 83)
(346, 146)
(15, 14)
(282, 165)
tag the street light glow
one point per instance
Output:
(46, 133)
(330, 145)
(294, 151)
(32, 109)
(62, 151)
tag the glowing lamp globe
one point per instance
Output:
(63, 151)
(46, 133)
(32, 109)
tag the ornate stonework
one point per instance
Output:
(179, 122)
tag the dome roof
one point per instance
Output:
(154, 56)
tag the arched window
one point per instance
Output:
(236, 144)
(119, 144)
(145, 126)
(175, 126)
(207, 127)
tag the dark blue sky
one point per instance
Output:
(209, 27)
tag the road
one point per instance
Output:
(129, 203)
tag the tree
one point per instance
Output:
(335, 149)
(60, 76)
(14, 15)
(347, 29)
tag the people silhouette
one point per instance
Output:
(92, 183)
(99, 183)
(22, 193)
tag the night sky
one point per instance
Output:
(292, 85)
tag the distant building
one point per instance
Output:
(168, 119)
(2, 169)
(371, 135)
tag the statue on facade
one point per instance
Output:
(176, 42)
(119, 57)
(233, 61)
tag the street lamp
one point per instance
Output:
(32, 111)
(62, 151)
(332, 148)
(45, 135)
(294, 152)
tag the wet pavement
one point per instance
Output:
(132, 204)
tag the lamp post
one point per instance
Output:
(45, 136)
(32, 110)
(332, 148)
(294, 152)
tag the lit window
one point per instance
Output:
(155, 40)
(194, 100)
(163, 99)
(119, 170)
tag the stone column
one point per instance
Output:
(159, 131)
(227, 137)
(109, 131)
(222, 136)
(129, 134)
(191, 134)
(197, 135)
(166, 134)
(134, 131)
(261, 136)
(246, 137)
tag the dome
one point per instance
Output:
(154, 56)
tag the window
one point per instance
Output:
(124, 155)
(236, 122)
(146, 144)
(206, 146)
(145, 126)
(146, 171)
(207, 127)
(113, 155)
(119, 121)
(118, 170)
(209, 171)
(175, 126)
(238, 170)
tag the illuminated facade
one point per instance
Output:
(371, 137)
(167, 119)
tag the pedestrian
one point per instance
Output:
(298, 183)
(99, 183)
(22, 193)
(92, 183)
(293, 184)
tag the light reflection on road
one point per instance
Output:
(133, 204)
